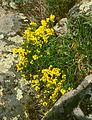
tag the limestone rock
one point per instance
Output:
(22, 16)
(1, 36)
(2, 12)
(61, 27)
(6, 63)
(10, 25)
(84, 6)
(9, 22)
(16, 39)
(13, 5)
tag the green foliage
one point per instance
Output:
(78, 48)
(40, 63)
(60, 8)
(48, 61)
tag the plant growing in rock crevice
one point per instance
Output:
(39, 63)
(54, 65)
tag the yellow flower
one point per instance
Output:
(63, 91)
(37, 88)
(64, 76)
(35, 57)
(19, 68)
(24, 77)
(43, 22)
(31, 62)
(38, 96)
(47, 20)
(35, 76)
(48, 85)
(41, 101)
(33, 81)
(52, 17)
(44, 103)
(47, 82)
(30, 75)
(45, 38)
(70, 88)
(14, 50)
(46, 113)
(54, 81)
(37, 81)
(50, 31)
(51, 97)
(33, 24)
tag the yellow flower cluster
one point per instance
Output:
(33, 24)
(40, 35)
(49, 85)
(35, 57)
(35, 36)
(22, 58)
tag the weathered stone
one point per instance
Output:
(9, 22)
(2, 12)
(1, 78)
(6, 63)
(84, 6)
(16, 39)
(10, 107)
(61, 27)
(4, 3)
(11, 33)
(70, 104)
(22, 16)
(1, 36)
(13, 5)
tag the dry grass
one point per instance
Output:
(35, 9)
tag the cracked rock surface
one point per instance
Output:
(75, 104)
(10, 25)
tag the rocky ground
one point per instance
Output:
(10, 37)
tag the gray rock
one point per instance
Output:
(11, 33)
(22, 16)
(2, 12)
(6, 23)
(1, 78)
(70, 106)
(16, 39)
(61, 27)
(6, 63)
(10, 107)
(4, 3)
(9, 22)
(85, 6)
(1, 36)
(13, 5)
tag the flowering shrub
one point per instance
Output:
(54, 65)
(48, 85)
(34, 37)
(40, 63)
